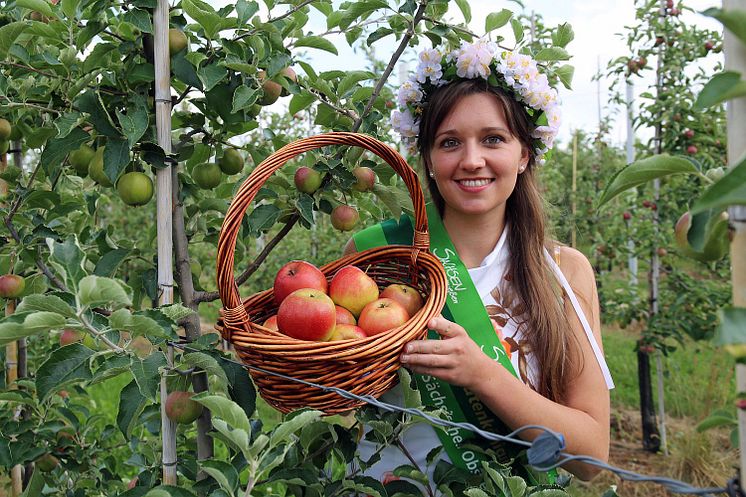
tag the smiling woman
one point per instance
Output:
(482, 120)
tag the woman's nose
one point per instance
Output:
(472, 158)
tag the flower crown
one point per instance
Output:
(517, 73)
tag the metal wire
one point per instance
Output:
(675, 486)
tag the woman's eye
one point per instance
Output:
(448, 143)
(493, 140)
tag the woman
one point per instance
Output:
(481, 120)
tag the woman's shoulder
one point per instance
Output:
(575, 266)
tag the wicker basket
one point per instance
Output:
(364, 367)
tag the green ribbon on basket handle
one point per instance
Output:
(463, 306)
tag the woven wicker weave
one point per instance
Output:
(364, 367)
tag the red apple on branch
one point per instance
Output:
(307, 180)
(352, 289)
(307, 314)
(296, 275)
(11, 286)
(344, 217)
(407, 296)
(366, 179)
(381, 316)
(181, 409)
(69, 336)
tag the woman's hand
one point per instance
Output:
(455, 358)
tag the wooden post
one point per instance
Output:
(735, 60)
(164, 220)
(632, 259)
(574, 204)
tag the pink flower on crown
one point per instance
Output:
(474, 59)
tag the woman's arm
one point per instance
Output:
(583, 418)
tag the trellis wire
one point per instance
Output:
(675, 486)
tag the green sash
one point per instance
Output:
(463, 306)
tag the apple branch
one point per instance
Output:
(390, 67)
(324, 98)
(251, 269)
(278, 18)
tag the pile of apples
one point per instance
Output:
(350, 306)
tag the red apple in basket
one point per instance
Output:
(307, 314)
(271, 323)
(352, 289)
(347, 332)
(344, 316)
(382, 315)
(296, 275)
(407, 296)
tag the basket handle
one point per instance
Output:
(233, 309)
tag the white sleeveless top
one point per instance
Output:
(421, 438)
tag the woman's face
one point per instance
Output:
(475, 159)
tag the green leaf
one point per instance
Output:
(37, 5)
(65, 365)
(475, 492)
(109, 262)
(317, 42)
(225, 409)
(716, 421)
(563, 35)
(728, 190)
(351, 79)
(565, 74)
(733, 19)
(223, 473)
(244, 97)
(36, 322)
(300, 101)
(169, 491)
(497, 20)
(116, 158)
(206, 16)
(68, 122)
(463, 5)
(35, 485)
(56, 149)
(238, 437)
(140, 19)
(211, 75)
(305, 208)
(379, 33)
(95, 291)
(245, 11)
(517, 29)
(731, 328)
(412, 397)
(136, 325)
(175, 312)
(71, 258)
(209, 364)
(723, 86)
(89, 102)
(642, 171)
(9, 33)
(263, 217)
(241, 388)
(131, 404)
(283, 431)
(389, 199)
(134, 123)
(517, 486)
(147, 374)
(551, 54)
(49, 303)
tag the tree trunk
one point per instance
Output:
(650, 438)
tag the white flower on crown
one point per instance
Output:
(404, 122)
(409, 92)
(429, 66)
(473, 60)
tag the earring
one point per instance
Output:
(522, 168)
(432, 174)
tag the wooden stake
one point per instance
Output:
(164, 210)
(574, 206)
(735, 60)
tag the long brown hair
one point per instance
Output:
(545, 325)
